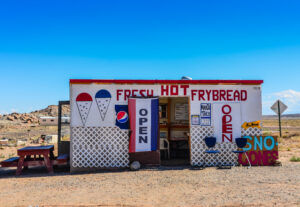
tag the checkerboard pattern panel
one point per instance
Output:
(198, 133)
(198, 147)
(252, 131)
(99, 147)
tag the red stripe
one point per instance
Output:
(132, 120)
(88, 81)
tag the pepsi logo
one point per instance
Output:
(122, 116)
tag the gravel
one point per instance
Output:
(164, 186)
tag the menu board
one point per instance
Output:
(205, 114)
(181, 111)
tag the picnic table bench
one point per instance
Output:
(35, 156)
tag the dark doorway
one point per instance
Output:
(174, 130)
(63, 127)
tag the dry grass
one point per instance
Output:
(18, 130)
(285, 123)
(295, 159)
(289, 144)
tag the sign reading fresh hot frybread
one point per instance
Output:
(176, 90)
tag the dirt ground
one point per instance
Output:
(239, 186)
(163, 186)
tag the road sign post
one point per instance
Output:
(278, 107)
(279, 118)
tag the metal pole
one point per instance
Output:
(279, 119)
(59, 127)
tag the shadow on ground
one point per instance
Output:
(65, 170)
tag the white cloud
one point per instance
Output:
(3, 112)
(290, 97)
(14, 110)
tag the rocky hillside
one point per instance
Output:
(51, 110)
(32, 117)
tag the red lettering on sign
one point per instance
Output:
(193, 94)
(226, 127)
(149, 92)
(215, 95)
(227, 137)
(174, 90)
(243, 95)
(118, 93)
(134, 92)
(201, 95)
(126, 94)
(165, 90)
(142, 93)
(229, 94)
(226, 109)
(222, 95)
(236, 95)
(254, 158)
(226, 123)
(259, 157)
(184, 87)
(208, 94)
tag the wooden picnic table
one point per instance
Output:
(26, 160)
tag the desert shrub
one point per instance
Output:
(266, 133)
(296, 134)
(2, 156)
(295, 159)
(291, 135)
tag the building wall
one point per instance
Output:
(88, 135)
(48, 121)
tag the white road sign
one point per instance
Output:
(281, 106)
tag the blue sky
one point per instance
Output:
(45, 43)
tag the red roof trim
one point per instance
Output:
(88, 81)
